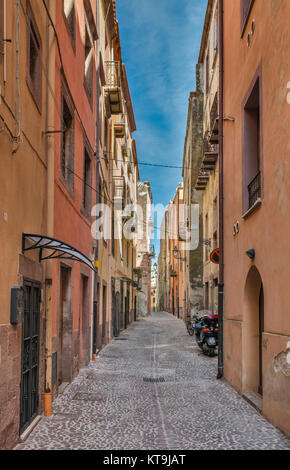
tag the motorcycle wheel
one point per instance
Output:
(190, 331)
(211, 352)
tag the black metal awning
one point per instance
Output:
(57, 248)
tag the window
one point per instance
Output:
(207, 74)
(206, 296)
(89, 54)
(33, 75)
(69, 15)
(113, 231)
(67, 144)
(87, 191)
(216, 34)
(106, 220)
(206, 247)
(2, 19)
(215, 214)
(246, 6)
(106, 145)
(252, 148)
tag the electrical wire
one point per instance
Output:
(153, 164)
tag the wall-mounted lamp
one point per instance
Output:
(251, 254)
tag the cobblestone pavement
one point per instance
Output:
(115, 405)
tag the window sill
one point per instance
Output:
(252, 209)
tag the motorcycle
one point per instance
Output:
(190, 325)
(206, 334)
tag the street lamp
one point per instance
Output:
(175, 254)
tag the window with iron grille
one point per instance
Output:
(87, 183)
(252, 148)
(34, 73)
(69, 16)
(67, 144)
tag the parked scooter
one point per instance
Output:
(206, 333)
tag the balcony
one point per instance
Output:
(112, 87)
(119, 130)
(254, 189)
(209, 160)
(202, 180)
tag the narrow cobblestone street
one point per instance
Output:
(116, 404)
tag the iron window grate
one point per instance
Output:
(254, 189)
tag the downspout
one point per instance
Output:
(94, 299)
(50, 149)
(221, 191)
(5, 45)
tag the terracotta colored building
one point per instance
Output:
(123, 180)
(23, 183)
(192, 159)
(74, 178)
(172, 258)
(144, 252)
(256, 204)
(208, 177)
(60, 126)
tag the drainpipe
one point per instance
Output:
(5, 45)
(49, 147)
(221, 191)
(97, 162)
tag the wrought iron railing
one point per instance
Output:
(254, 189)
(113, 73)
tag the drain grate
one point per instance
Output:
(87, 397)
(153, 379)
(121, 339)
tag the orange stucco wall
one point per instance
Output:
(71, 224)
(267, 229)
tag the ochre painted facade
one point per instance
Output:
(257, 65)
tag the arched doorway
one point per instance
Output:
(253, 328)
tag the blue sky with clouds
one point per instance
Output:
(160, 42)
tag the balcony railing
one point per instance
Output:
(113, 86)
(254, 189)
(113, 74)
